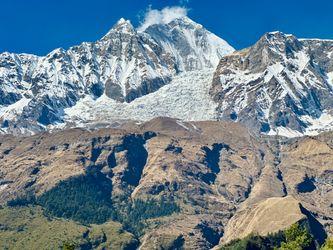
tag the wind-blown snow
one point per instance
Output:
(186, 97)
(163, 16)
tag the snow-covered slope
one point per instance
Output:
(122, 66)
(190, 43)
(186, 98)
(281, 85)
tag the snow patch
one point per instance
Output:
(285, 132)
(315, 39)
(323, 123)
(315, 126)
(12, 111)
(3, 187)
(182, 124)
(330, 79)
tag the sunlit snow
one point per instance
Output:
(186, 97)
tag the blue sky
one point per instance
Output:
(39, 26)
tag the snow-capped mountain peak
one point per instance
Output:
(122, 26)
(279, 83)
(123, 65)
(190, 43)
(280, 42)
(122, 21)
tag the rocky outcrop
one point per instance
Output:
(213, 171)
(142, 166)
(122, 66)
(279, 83)
(192, 46)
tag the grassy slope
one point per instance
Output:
(27, 228)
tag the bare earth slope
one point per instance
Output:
(213, 171)
(268, 216)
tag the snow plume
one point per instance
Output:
(163, 16)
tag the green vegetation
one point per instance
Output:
(68, 246)
(82, 200)
(22, 201)
(87, 199)
(27, 228)
(133, 214)
(328, 244)
(254, 241)
(296, 237)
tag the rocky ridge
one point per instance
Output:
(212, 170)
(122, 66)
(281, 85)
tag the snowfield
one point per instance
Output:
(279, 86)
(186, 98)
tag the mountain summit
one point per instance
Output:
(192, 46)
(165, 137)
(281, 85)
(124, 65)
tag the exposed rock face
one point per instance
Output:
(281, 85)
(192, 46)
(214, 171)
(142, 166)
(280, 82)
(306, 167)
(122, 66)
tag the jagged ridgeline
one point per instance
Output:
(282, 85)
(126, 64)
(164, 137)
